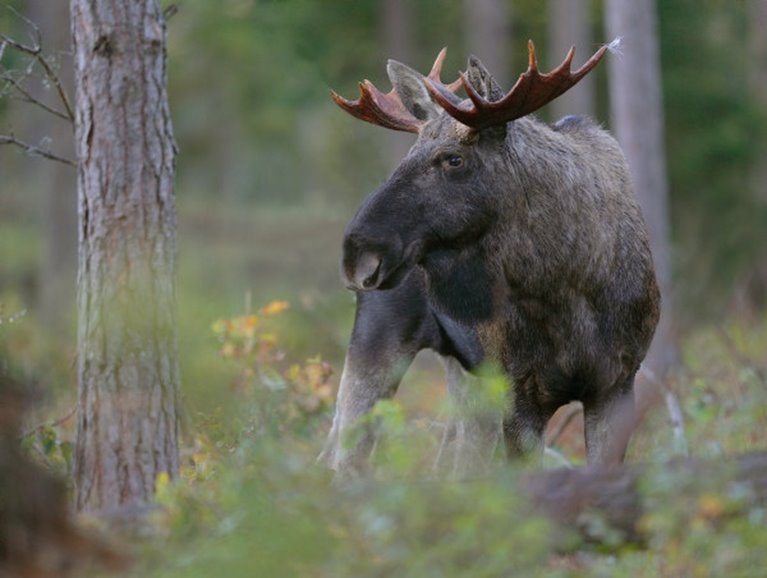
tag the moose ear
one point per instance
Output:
(411, 90)
(482, 81)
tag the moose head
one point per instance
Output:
(441, 196)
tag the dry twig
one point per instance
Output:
(36, 151)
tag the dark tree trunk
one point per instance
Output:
(128, 374)
(637, 121)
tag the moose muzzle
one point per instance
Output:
(370, 264)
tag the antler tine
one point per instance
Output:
(377, 108)
(386, 109)
(436, 72)
(531, 91)
(532, 61)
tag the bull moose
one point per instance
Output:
(499, 238)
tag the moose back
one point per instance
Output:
(504, 239)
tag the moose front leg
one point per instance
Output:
(364, 382)
(390, 328)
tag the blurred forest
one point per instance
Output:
(269, 172)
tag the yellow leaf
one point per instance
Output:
(228, 349)
(711, 506)
(274, 308)
(161, 483)
(293, 373)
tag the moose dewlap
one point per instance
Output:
(498, 238)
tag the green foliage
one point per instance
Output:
(251, 501)
(714, 128)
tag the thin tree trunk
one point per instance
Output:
(758, 68)
(488, 35)
(751, 294)
(570, 25)
(637, 121)
(396, 32)
(128, 374)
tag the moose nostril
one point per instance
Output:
(370, 281)
(366, 272)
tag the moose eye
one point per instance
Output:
(453, 161)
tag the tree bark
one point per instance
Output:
(570, 25)
(127, 367)
(637, 121)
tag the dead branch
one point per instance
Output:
(28, 97)
(674, 408)
(35, 50)
(170, 11)
(55, 423)
(35, 151)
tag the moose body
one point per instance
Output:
(499, 239)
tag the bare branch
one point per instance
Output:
(54, 423)
(28, 97)
(674, 409)
(54, 78)
(35, 36)
(170, 12)
(31, 50)
(36, 52)
(36, 151)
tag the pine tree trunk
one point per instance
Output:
(758, 68)
(128, 375)
(570, 25)
(637, 121)
(751, 294)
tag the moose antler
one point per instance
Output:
(387, 110)
(531, 91)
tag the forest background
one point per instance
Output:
(269, 172)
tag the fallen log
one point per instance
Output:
(621, 496)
